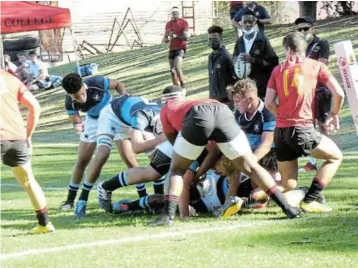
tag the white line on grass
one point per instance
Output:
(132, 239)
(43, 187)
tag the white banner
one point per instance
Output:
(349, 72)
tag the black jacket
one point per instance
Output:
(265, 60)
(221, 74)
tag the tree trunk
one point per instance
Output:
(308, 8)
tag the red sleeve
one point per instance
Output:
(185, 26)
(272, 82)
(324, 74)
(167, 128)
(167, 27)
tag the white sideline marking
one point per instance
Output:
(43, 187)
(131, 239)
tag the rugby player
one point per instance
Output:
(176, 32)
(189, 125)
(90, 97)
(130, 118)
(294, 82)
(16, 143)
(317, 49)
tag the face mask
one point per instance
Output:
(248, 32)
(214, 43)
(309, 37)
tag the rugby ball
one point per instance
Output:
(241, 67)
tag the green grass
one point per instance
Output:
(257, 238)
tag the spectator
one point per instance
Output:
(254, 48)
(176, 33)
(220, 66)
(235, 7)
(10, 66)
(39, 76)
(260, 13)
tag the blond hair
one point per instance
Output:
(243, 87)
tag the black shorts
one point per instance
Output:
(209, 121)
(14, 153)
(269, 161)
(160, 162)
(177, 53)
(294, 142)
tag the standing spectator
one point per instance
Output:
(235, 7)
(176, 32)
(9, 65)
(317, 49)
(254, 48)
(260, 13)
(220, 66)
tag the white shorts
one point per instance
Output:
(90, 130)
(232, 149)
(166, 148)
(109, 124)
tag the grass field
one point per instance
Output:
(260, 238)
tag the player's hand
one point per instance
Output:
(331, 125)
(166, 39)
(247, 58)
(79, 128)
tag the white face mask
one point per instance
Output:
(248, 32)
(309, 37)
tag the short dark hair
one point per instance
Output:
(172, 89)
(305, 19)
(296, 42)
(32, 53)
(215, 29)
(248, 12)
(72, 83)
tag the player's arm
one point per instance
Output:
(30, 102)
(270, 100)
(183, 37)
(265, 17)
(209, 161)
(265, 145)
(166, 35)
(118, 86)
(338, 95)
(77, 123)
(140, 145)
(236, 19)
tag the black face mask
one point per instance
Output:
(214, 43)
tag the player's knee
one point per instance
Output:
(289, 185)
(151, 175)
(104, 141)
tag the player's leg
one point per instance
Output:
(128, 157)
(151, 203)
(158, 167)
(178, 62)
(235, 146)
(15, 154)
(324, 148)
(173, 73)
(84, 156)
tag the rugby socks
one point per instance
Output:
(159, 186)
(313, 192)
(86, 188)
(139, 204)
(118, 181)
(42, 216)
(72, 192)
(170, 205)
(278, 197)
(141, 189)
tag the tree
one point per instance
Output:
(308, 8)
